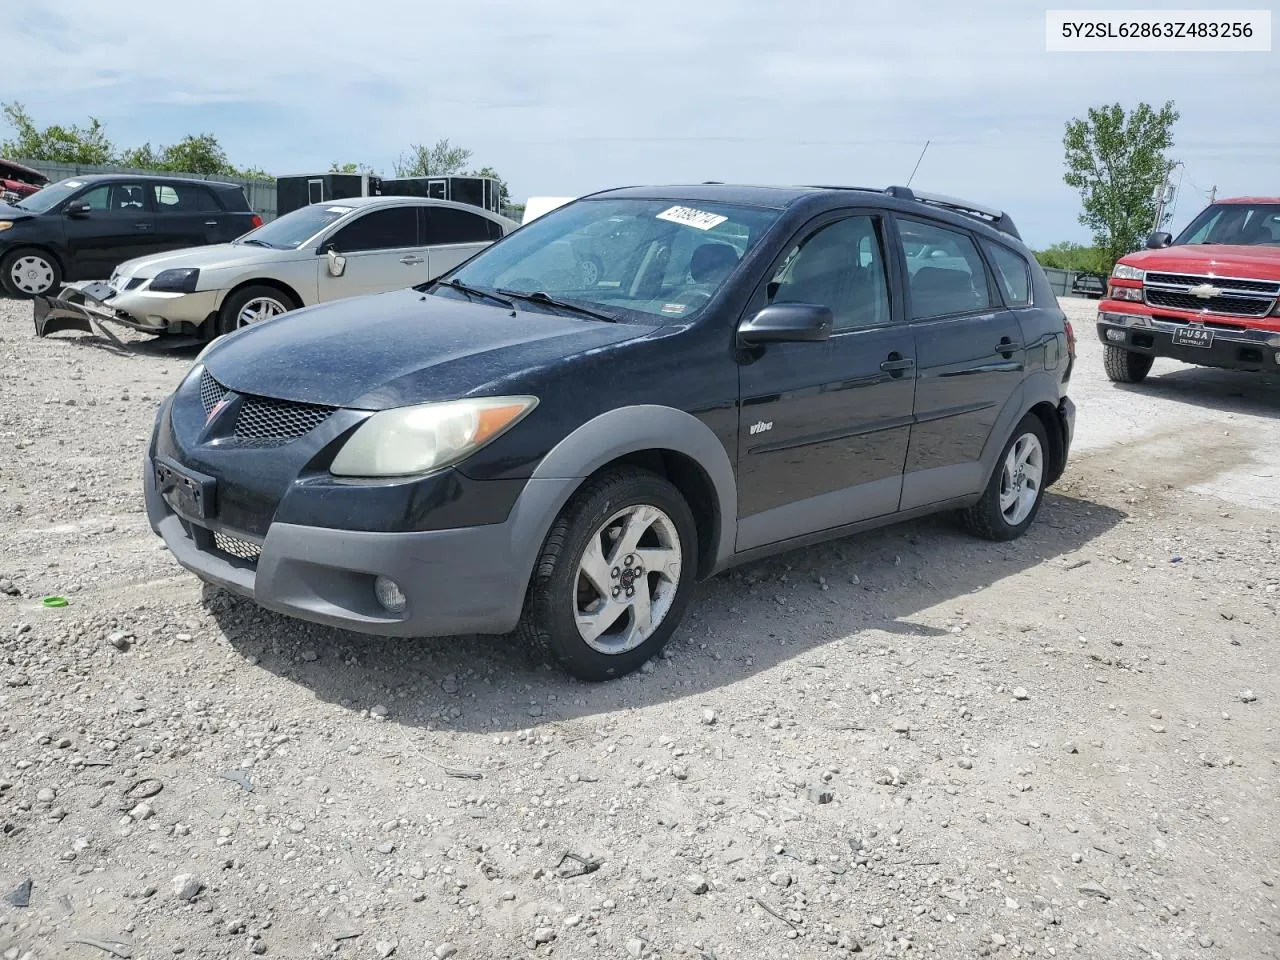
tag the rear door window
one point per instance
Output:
(945, 272)
(446, 225)
(183, 198)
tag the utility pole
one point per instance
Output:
(1213, 193)
(1164, 193)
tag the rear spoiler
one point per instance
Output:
(989, 215)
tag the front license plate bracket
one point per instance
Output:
(189, 494)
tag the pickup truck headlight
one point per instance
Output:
(427, 436)
(179, 280)
(1122, 271)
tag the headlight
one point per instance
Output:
(428, 436)
(1132, 294)
(181, 280)
(1123, 271)
(5, 224)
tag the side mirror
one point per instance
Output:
(78, 208)
(1159, 240)
(787, 323)
(337, 262)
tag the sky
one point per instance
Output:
(564, 97)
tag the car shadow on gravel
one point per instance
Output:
(1229, 391)
(741, 623)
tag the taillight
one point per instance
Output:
(1071, 340)
(256, 221)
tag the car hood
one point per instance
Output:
(215, 256)
(393, 349)
(9, 212)
(1219, 260)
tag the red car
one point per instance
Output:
(1211, 297)
(17, 181)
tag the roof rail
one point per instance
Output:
(996, 218)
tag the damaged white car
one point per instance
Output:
(326, 251)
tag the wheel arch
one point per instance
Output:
(1040, 395)
(279, 285)
(39, 247)
(671, 443)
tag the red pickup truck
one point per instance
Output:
(18, 181)
(1210, 297)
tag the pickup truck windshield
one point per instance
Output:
(660, 258)
(1239, 224)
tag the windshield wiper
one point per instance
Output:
(476, 292)
(550, 301)
(256, 243)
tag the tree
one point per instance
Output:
(57, 144)
(191, 154)
(439, 160)
(336, 167)
(1074, 256)
(1118, 161)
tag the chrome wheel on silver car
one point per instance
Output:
(259, 309)
(30, 273)
(627, 578)
(1020, 480)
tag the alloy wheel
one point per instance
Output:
(1021, 477)
(627, 579)
(259, 309)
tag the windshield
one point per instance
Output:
(1239, 224)
(661, 258)
(296, 227)
(50, 196)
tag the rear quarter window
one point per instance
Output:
(1013, 273)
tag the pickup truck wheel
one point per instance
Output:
(27, 272)
(1013, 495)
(614, 575)
(1125, 366)
(251, 305)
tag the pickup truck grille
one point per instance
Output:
(1232, 297)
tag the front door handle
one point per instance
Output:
(143, 226)
(897, 364)
(411, 261)
(211, 223)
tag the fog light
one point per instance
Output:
(1116, 335)
(389, 594)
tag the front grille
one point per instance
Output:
(266, 420)
(235, 547)
(1226, 305)
(1270, 287)
(211, 392)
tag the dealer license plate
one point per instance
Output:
(1193, 337)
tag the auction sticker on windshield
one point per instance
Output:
(690, 217)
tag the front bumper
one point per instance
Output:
(88, 305)
(459, 581)
(1233, 348)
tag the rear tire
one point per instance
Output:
(28, 272)
(1125, 366)
(614, 576)
(253, 304)
(1013, 496)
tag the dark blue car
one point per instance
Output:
(527, 444)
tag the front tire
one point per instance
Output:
(1125, 366)
(614, 576)
(1013, 496)
(253, 304)
(28, 272)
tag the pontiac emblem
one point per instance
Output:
(1205, 291)
(217, 409)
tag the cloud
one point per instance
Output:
(564, 97)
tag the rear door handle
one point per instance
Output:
(143, 226)
(211, 223)
(897, 364)
(410, 261)
(1007, 346)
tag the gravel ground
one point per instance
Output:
(905, 743)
